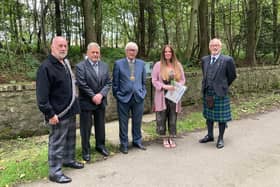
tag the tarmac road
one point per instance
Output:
(250, 158)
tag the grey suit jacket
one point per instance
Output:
(89, 83)
(224, 74)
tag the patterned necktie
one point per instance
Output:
(213, 59)
(95, 67)
(131, 68)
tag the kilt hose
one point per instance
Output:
(221, 111)
(62, 141)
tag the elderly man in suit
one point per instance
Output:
(218, 74)
(129, 89)
(94, 84)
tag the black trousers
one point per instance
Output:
(86, 126)
(170, 116)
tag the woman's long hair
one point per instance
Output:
(164, 70)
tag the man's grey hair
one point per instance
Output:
(92, 44)
(131, 45)
(218, 40)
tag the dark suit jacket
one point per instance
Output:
(90, 84)
(224, 74)
(123, 87)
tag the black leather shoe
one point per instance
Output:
(75, 165)
(139, 146)
(60, 178)
(102, 151)
(206, 139)
(123, 149)
(220, 144)
(86, 157)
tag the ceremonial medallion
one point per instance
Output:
(132, 78)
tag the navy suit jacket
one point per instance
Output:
(123, 87)
(224, 74)
(89, 83)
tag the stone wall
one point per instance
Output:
(19, 115)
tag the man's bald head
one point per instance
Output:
(59, 47)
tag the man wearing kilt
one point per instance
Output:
(218, 74)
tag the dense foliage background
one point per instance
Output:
(249, 30)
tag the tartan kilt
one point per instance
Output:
(221, 111)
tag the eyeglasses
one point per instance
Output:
(132, 50)
(214, 45)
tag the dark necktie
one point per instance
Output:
(213, 59)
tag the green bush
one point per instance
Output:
(110, 55)
(75, 55)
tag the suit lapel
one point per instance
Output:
(126, 67)
(100, 71)
(206, 65)
(91, 70)
(218, 65)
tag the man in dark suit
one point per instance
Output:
(218, 74)
(129, 89)
(94, 84)
(55, 91)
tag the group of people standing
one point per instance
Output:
(56, 98)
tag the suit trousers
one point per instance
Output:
(136, 109)
(62, 142)
(86, 126)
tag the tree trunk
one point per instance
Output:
(252, 32)
(98, 20)
(193, 21)
(90, 34)
(203, 29)
(227, 23)
(276, 46)
(162, 11)
(141, 28)
(178, 29)
(152, 25)
(18, 19)
(42, 32)
(57, 18)
(213, 19)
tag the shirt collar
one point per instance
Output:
(215, 56)
(53, 59)
(93, 63)
(128, 60)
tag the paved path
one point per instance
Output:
(251, 158)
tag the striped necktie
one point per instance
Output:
(95, 67)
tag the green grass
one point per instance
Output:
(25, 159)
